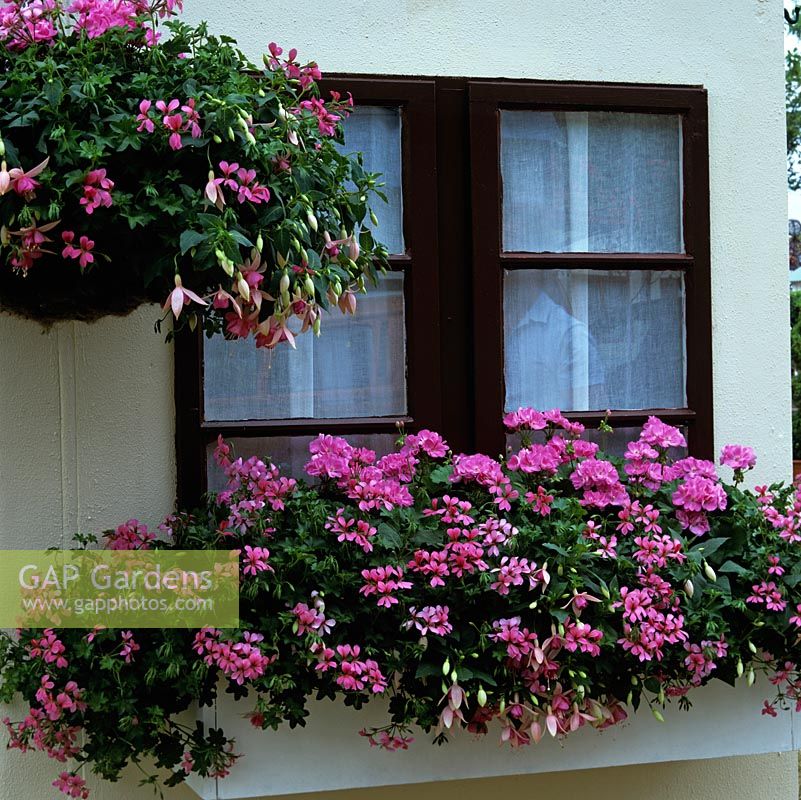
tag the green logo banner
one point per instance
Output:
(119, 588)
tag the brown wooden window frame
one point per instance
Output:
(454, 264)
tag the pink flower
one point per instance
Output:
(143, 118)
(129, 646)
(175, 124)
(71, 785)
(738, 457)
(255, 560)
(431, 619)
(384, 581)
(179, 297)
(658, 434)
(20, 181)
(82, 253)
(96, 190)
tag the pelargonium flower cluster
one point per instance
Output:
(596, 585)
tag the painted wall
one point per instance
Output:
(86, 411)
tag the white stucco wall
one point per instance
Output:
(86, 430)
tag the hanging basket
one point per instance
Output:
(53, 294)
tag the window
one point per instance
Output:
(550, 247)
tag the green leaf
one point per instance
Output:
(190, 239)
(441, 474)
(387, 536)
(709, 546)
(730, 566)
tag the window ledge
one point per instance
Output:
(328, 754)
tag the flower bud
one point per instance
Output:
(657, 715)
(243, 287)
(312, 220)
(283, 284)
(751, 677)
(260, 243)
(740, 668)
(353, 248)
(689, 589)
(373, 218)
(316, 330)
(446, 666)
(308, 285)
(709, 572)
(454, 676)
(231, 133)
(250, 138)
(481, 696)
(2, 148)
(752, 647)
(216, 139)
(502, 705)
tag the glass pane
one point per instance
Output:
(288, 453)
(375, 131)
(598, 182)
(356, 368)
(590, 340)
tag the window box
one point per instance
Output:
(328, 754)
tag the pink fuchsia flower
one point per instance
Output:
(180, 296)
(82, 253)
(213, 191)
(738, 457)
(19, 180)
(222, 299)
(255, 560)
(129, 646)
(187, 762)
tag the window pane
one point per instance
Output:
(595, 181)
(288, 453)
(590, 340)
(375, 131)
(357, 368)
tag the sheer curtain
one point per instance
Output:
(592, 182)
(594, 339)
(357, 368)
(376, 132)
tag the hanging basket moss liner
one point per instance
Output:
(52, 293)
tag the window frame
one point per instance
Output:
(452, 186)
(486, 100)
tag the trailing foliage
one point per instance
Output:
(534, 596)
(135, 167)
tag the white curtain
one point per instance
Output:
(590, 340)
(598, 182)
(592, 182)
(375, 131)
(357, 368)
